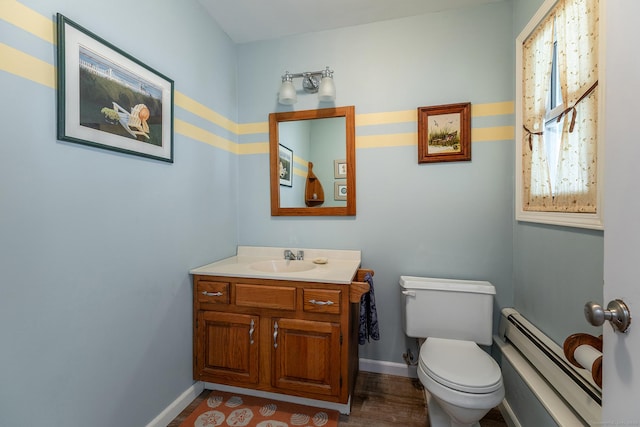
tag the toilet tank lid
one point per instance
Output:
(480, 287)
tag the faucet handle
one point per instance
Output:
(288, 254)
(300, 255)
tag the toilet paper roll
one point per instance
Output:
(585, 355)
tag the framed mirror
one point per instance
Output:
(312, 156)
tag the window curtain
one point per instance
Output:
(575, 187)
(537, 57)
(576, 34)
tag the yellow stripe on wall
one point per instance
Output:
(477, 110)
(492, 109)
(390, 140)
(300, 161)
(29, 67)
(498, 133)
(386, 118)
(19, 63)
(193, 106)
(249, 128)
(199, 134)
(253, 148)
(28, 19)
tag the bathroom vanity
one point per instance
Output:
(282, 326)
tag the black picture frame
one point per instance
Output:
(109, 99)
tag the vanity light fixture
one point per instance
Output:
(320, 82)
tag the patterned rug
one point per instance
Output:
(228, 409)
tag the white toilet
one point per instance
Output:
(453, 316)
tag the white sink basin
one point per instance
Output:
(282, 266)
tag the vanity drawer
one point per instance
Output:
(278, 297)
(321, 301)
(210, 292)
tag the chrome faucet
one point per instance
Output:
(288, 255)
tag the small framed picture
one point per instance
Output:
(109, 99)
(444, 133)
(286, 166)
(340, 190)
(340, 168)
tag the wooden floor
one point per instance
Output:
(379, 401)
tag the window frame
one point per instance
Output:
(593, 221)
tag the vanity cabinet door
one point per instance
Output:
(227, 347)
(306, 356)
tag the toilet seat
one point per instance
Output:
(460, 365)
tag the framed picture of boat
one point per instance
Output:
(110, 100)
(444, 133)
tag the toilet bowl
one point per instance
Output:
(454, 317)
(463, 382)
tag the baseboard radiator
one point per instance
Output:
(568, 394)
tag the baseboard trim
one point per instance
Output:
(508, 414)
(177, 406)
(389, 368)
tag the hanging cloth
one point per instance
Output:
(368, 315)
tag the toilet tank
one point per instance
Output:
(446, 308)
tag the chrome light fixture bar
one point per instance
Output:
(320, 82)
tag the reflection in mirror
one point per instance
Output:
(316, 142)
(312, 157)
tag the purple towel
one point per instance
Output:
(368, 315)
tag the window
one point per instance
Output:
(552, 133)
(557, 173)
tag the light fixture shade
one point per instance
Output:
(287, 94)
(327, 90)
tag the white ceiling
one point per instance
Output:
(252, 20)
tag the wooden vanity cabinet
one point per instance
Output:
(295, 338)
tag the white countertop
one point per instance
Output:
(340, 267)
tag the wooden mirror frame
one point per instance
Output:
(274, 119)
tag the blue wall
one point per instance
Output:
(444, 219)
(556, 269)
(95, 246)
